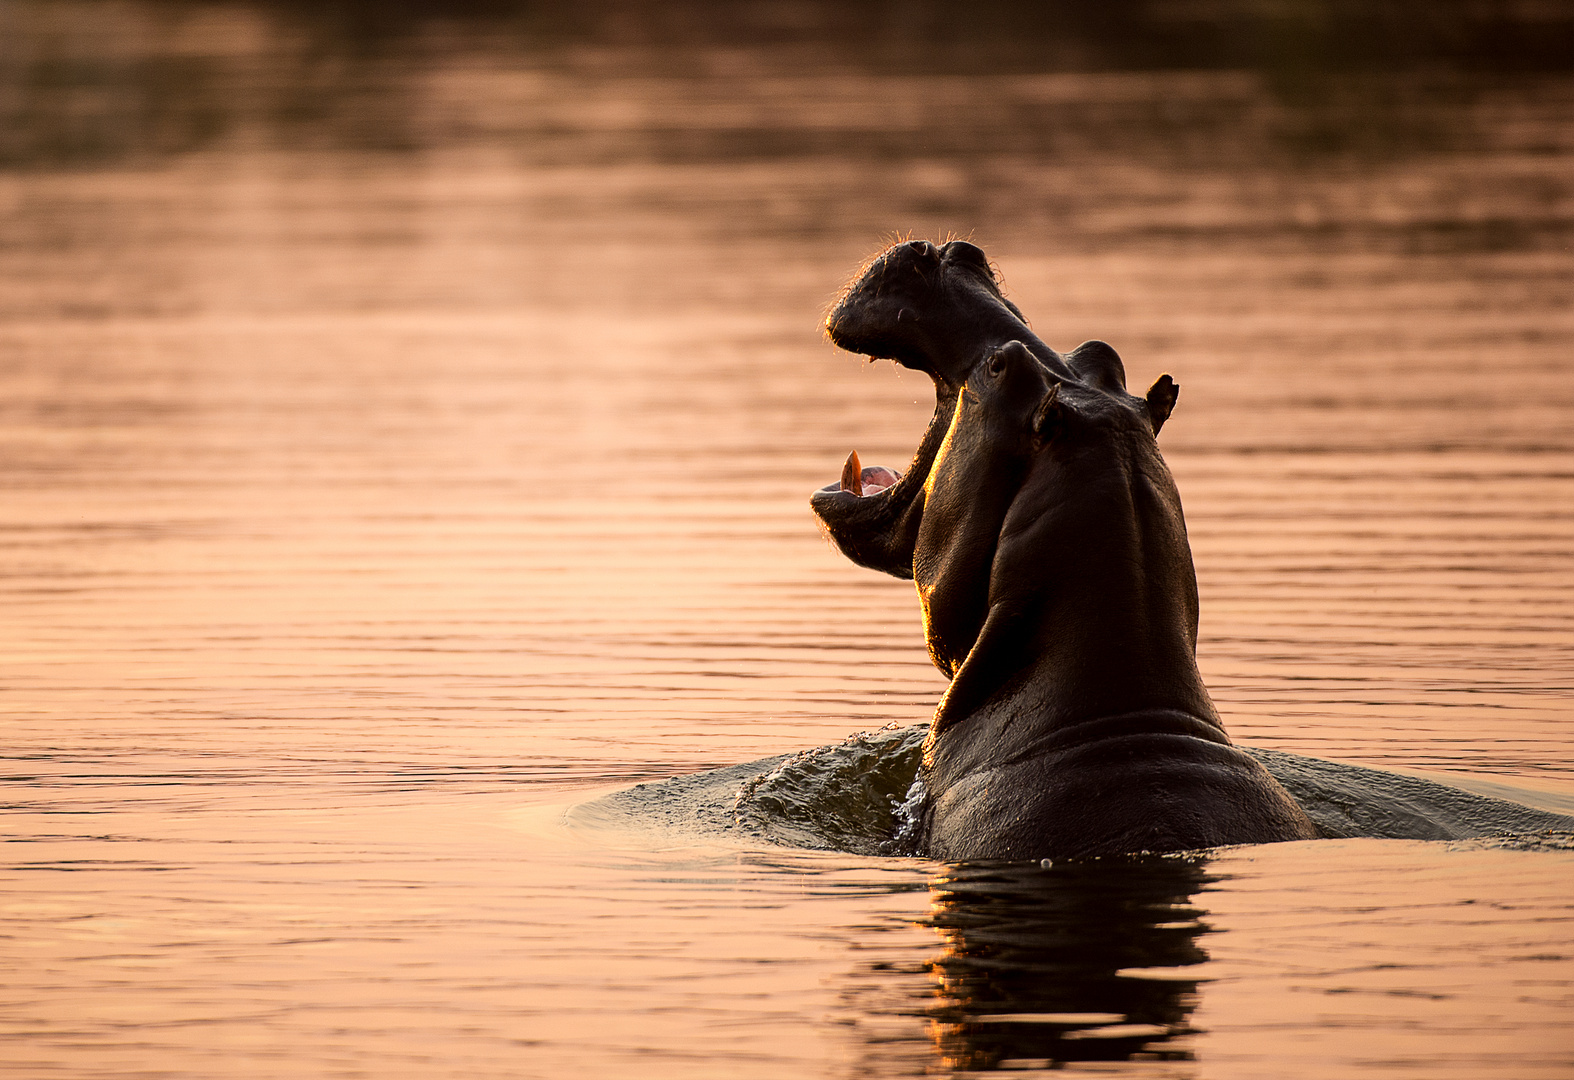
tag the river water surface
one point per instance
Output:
(370, 502)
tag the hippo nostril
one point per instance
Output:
(921, 248)
(962, 251)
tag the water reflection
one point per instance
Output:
(1075, 962)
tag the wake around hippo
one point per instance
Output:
(1045, 536)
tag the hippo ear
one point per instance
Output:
(1047, 418)
(1099, 365)
(1161, 400)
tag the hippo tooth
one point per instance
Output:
(853, 475)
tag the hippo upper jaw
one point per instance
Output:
(933, 308)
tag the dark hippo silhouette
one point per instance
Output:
(1046, 538)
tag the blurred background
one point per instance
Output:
(962, 113)
(104, 83)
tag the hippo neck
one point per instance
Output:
(1114, 634)
(948, 348)
(1002, 328)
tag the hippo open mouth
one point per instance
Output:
(872, 512)
(935, 308)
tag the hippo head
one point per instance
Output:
(936, 309)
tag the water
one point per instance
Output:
(408, 435)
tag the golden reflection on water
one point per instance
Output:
(384, 473)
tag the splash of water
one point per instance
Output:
(864, 795)
(861, 795)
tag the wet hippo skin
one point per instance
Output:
(1046, 539)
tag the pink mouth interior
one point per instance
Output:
(869, 480)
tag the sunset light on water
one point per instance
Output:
(409, 429)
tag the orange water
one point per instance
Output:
(363, 510)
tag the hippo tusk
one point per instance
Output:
(853, 475)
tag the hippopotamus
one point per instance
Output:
(1045, 535)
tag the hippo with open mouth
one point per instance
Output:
(1045, 536)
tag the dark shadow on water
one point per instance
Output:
(1076, 962)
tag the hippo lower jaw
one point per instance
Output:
(872, 513)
